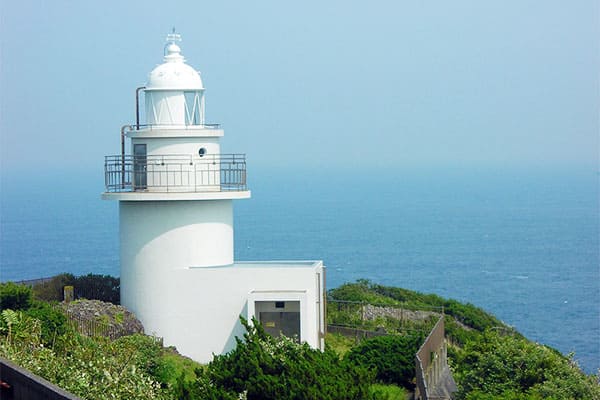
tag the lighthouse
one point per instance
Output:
(175, 190)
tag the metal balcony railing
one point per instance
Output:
(131, 128)
(175, 173)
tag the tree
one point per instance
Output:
(264, 367)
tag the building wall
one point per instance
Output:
(167, 235)
(197, 310)
(179, 278)
(179, 145)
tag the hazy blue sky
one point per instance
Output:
(328, 83)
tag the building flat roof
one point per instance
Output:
(270, 264)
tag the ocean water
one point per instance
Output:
(523, 245)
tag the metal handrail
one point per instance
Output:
(137, 127)
(207, 158)
(175, 173)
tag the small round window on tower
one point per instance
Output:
(202, 152)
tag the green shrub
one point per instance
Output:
(98, 369)
(392, 357)
(98, 287)
(14, 296)
(366, 291)
(177, 374)
(52, 290)
(53, 321)
(389, 392)
(361, 291)
(471, 315)
(264, 367)
(339, 343)
(91, 287)
(507, 366)
(147, 349)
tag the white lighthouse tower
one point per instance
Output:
(175, 191)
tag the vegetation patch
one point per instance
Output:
(264, 367)
(98, 318)
(489, 360)
(92, 287)
(461, 318)
(392, 357)
(14, 296)
(340, 344)
(390, 392)
(500, 366)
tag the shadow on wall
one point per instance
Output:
(237, 331)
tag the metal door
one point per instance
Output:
(139, 167)
(281, 323)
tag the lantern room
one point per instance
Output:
(174, 93)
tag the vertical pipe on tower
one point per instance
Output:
(137, 107)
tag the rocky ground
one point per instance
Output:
(98, 318)
(370, 312)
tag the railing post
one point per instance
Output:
(123, 158)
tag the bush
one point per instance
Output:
(471, 315)
(97, 368)
(98, 287)
(52, 290)
(366, 291)
(512, 367)
(15, 297)
(263, 367)
(53, 321)
(92, 287)
(176, 373)
(392, 357)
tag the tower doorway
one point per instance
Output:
(140, 180)
(280, 318)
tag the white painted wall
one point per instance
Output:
(197, 310)
(159, 237)
(179, 145)
(175, 162)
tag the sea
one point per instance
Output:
(522, 244)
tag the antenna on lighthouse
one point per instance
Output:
(171, 39)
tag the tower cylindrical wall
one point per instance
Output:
(178, 164)
(183, 146)
(158, 238)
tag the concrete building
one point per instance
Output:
(175, 191)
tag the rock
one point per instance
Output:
(98, 318)
(370, 312)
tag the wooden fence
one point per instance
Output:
(431, 366)
(17, 383)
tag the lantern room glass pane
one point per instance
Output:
(192, 107)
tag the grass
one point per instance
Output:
(391, 392)
(172, 366)
(339, 343)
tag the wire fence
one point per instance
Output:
(95, 328)
(352, 318)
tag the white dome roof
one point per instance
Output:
(174, 73)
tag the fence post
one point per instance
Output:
(68, 294)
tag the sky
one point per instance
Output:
(326, 84)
